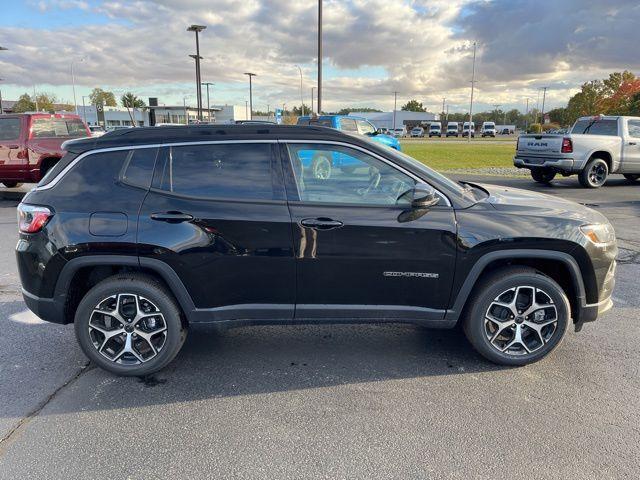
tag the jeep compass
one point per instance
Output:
(138, 234)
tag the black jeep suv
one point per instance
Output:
(137, 234)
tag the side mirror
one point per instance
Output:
(379, 131)
(424, 196)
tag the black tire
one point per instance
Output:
(543, 175)
(632, 177)
(321, 167)
(594, 174)
(150, 290)
(493, 286)
(11, 184)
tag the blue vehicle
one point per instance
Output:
(322, 166)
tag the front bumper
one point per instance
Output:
(590, 312)
(561, 164)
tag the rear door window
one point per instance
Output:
(9, 128)
(240, 171)
(57, 127)
(596, 127)
(634, 128)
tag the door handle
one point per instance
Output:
(172, 217)
(321, 223)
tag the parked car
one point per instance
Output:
(417, 132)
(435, 130)
(399, 132)
(96, 130)
(138, 234)
(465, 129)
(351, 124)
(30, 144)
(505, 131)
(488, 129)
(596, 147)
(452, 129)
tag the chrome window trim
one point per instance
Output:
(80, 157)
(375, 155)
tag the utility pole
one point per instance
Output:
(208, 104)
(197, 29)
(473, 81)
(186, 116)
(319, 57)
(544, 96)
(84, 109)
(35, 98)
(443, 100)
(526, 117)
(1, 109)
(537, 106)
(246, 110)
(250, 75)
(395, 105)
(301, 95)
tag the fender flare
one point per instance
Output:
(159, 267)
(461, 298)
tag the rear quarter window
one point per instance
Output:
(138, 168)
(9, 128)
(596, 127)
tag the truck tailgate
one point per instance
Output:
(539, 144)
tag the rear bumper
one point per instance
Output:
(48, 309)
(561, 164)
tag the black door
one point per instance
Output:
(217, 215)
(357, 255)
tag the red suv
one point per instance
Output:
(30, 144)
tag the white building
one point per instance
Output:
(402, 117)
(114, 116)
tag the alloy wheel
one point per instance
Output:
(521, 320)
(598, 174)
(127, 329)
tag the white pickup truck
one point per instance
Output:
(596, 147)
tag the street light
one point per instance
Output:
(301, 95)
(312, 89)
(319, 57)
(250, 75)
(197, 29)
(208, 106)
(473, 82)
(73, 82)
(84, 108)
(1, 110)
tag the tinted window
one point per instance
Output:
(334, 174)
(57, 127)
(634, 128)
(596, 127)
(139, 167)
(9, 128)
(348, 125)
(239, 171)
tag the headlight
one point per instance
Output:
(599, 234)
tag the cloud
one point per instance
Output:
(421, 49)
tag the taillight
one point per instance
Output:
(567, 145)
(31, 218)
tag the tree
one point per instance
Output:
(131, 102)
(347, 111)
(99, 96)
(24, 104)
(413, 106)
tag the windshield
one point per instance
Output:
(435, 127)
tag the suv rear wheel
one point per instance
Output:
(594, 173)
(11, 184)
(129, 325)
(542, 175)
(517, 316)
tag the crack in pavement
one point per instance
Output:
(5, 441)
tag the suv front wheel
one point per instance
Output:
(129, 325)
(517, 316)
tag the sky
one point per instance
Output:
(421, 49)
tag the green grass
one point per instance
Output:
(449, 155)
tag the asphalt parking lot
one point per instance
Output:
(330, 401)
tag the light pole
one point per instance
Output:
(73, 84)
(1, 109)
(84, 109)
(197, 29)
(526, 117)
(208, 105)
(312, 89)
(250, 75)
(473, 82)
(184, 105)
(246, 110)
(319, 57)
(301, 95)
(395, 105)
(497, 107)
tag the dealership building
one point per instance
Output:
(402, 118)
